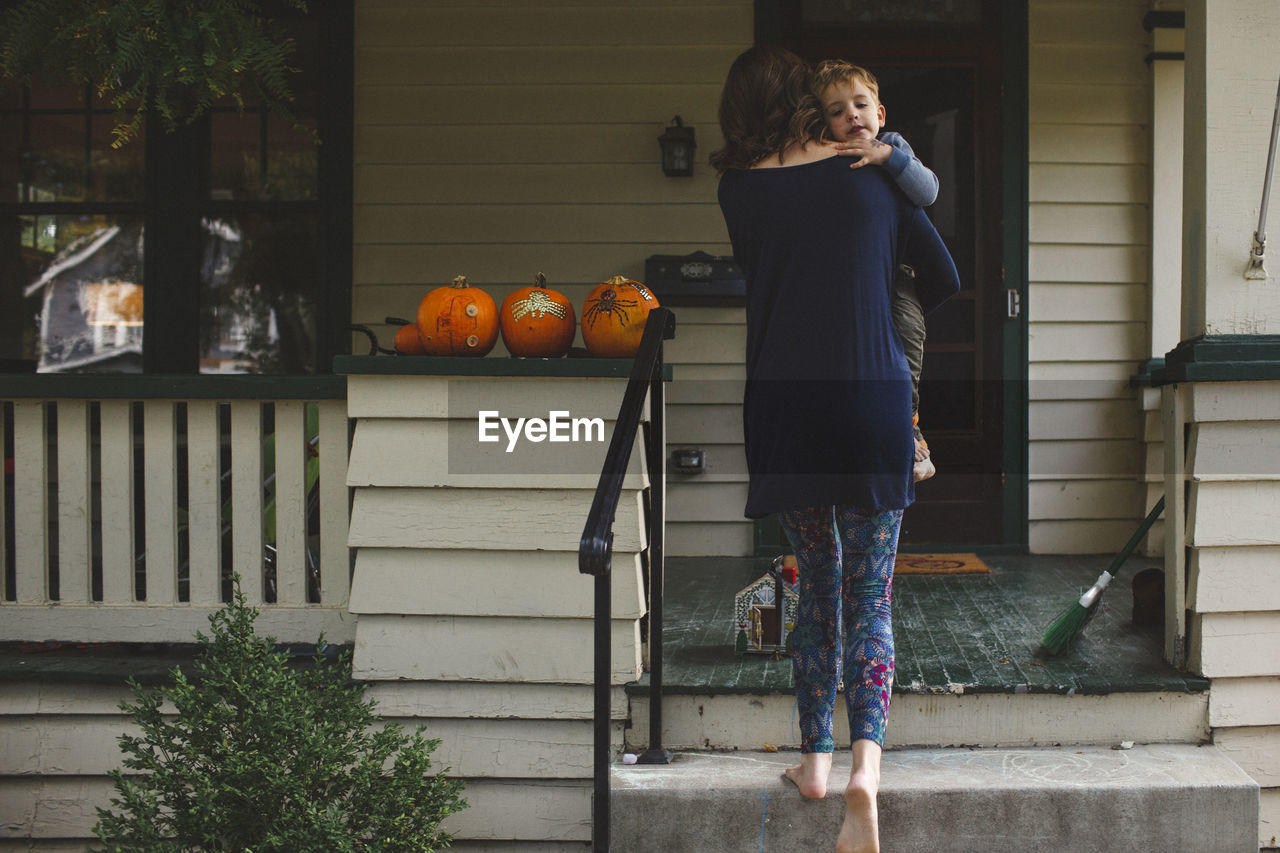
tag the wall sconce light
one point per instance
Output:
(677, 149)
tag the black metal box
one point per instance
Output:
(695, 279)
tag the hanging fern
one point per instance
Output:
(176, 57)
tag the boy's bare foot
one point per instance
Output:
(923, 469)
(810, 775)
(860, 832)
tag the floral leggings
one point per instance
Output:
(845, 579)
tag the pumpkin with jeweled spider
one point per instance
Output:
(614, 315)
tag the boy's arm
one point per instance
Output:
(913, 177)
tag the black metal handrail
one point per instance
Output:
(595, 557)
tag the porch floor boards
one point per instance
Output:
(977, 633)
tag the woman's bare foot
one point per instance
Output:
(810, 775)
(860, 832)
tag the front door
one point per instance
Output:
(939, 69)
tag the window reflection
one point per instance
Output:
(258, 294)
(82, 302)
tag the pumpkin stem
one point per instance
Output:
(459, 281)
(540, 280)
(617, 280)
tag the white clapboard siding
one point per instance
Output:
(498, 700)
(1237, 450)
(1093, 64)
(1074, 419)
(1084, 459)
(1068, 536)
(427, 648)
(1233, 578)
(1248, 701)
(481, 518)
(1234, 513)
(525, 64)
(1255, 749)
(464, 582)
(1236, 645)
(1095, 23)
(1081, 499)
(1269, 818)
(552, 25)
(1087, 143)
(1231, 401)
(1087, 303)
(1089, 107)
(65, 807)
(426, 453)
(699, 425)
(710, 538)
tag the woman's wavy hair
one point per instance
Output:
(765, 108)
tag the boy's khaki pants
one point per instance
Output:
(908, 319)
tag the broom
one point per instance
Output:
(1070, 622)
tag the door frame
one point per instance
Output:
(774, 21)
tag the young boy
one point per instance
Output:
(850, 100)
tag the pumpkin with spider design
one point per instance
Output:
(537, 322)
(613, 317)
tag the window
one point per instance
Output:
(223, 247)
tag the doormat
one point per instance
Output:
(939, 564)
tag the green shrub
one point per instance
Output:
(267, 757)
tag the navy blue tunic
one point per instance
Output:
(827, 405)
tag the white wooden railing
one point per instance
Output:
(130, 502)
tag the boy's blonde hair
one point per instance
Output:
(840, 71)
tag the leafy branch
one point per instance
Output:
(176, 57)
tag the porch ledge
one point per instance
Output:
(426, 365)
(1220, 358)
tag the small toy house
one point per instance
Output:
(756, 611)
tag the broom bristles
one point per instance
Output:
(1063, 630)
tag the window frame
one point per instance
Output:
(176, 198)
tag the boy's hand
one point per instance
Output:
(872, 151)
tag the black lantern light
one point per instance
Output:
(677, 149)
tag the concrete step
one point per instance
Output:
(706, 721)
(1165, 798)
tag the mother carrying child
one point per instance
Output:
(827, 406)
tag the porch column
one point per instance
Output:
(1221, 395)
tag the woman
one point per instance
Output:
(827, 406)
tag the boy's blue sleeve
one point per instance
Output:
(913, 177)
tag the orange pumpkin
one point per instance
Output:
(537, 322)
(458, 319)
(408, 341)
(613, 317)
